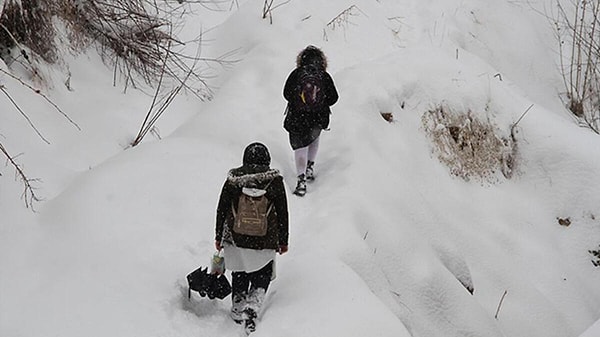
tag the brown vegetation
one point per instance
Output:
(469, 147)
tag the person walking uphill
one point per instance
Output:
(251, 227)
(310, 92)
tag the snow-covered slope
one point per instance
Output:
(385, 243)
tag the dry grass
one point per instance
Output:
(135, 37)
(28, 23)
(469, 147)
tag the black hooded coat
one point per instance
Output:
(305, 126)
(255, 173)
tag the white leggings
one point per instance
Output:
(305, 154)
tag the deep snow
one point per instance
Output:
(384, 238)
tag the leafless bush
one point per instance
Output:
(576, 25)
(135, 37)
(28, 195)
(469, 147)
(27, 35)
(157, 108)
(128, 36)
(28, 23)
(342, 20)
(268, 9)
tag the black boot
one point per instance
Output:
(237, 308)
(310, 171)
(301, 186)
(249, 320)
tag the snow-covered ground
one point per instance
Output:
(385, 239)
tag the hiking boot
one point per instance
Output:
(249, 320)
(236, 317)
(237, 309)
(310, 171)
(301, 186)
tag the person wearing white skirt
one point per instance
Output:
(251, 257)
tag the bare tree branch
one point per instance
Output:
(39, 92)
(500, 304)
(28, 195)
(268, 9)
(12, 101)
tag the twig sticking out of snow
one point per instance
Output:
(512, 128)
(39, 92)
(500, 304)
(28, 195)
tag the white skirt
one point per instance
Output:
(245, 259)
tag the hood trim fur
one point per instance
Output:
(248, 178)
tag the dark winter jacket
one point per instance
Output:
(256, 176)
(297, 121)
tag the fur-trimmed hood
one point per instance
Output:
(259, 178)
(311, 55)
(240, 177)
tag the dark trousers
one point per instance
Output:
(243, 283)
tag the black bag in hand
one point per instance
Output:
(206, 284)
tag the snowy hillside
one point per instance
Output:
(386, 241)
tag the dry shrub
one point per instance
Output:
(28, 23)
(471, 148)
(576, 26)
(135, 37)
(128, 36)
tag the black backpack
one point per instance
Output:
(310, 88)
(309, 105)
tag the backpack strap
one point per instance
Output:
(271, 204)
